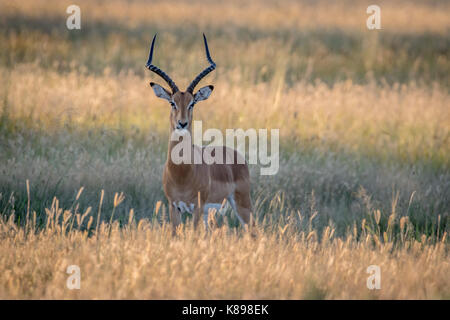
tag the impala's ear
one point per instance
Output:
(203, 93)
(160, 92)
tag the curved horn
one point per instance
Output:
(212, 66)
(158, 71)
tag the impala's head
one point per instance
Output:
(182, 103)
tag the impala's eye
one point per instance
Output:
(174, 107)
(191, 106)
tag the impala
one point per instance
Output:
(192, 187)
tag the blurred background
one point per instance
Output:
(363, 114)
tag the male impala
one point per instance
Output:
(195, 188)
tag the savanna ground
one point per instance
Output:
(364, 123)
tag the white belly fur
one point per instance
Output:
(183, 207)
(189, 208)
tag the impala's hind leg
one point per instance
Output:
(242, 206)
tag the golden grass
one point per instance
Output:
(405, 121)
(143, 261)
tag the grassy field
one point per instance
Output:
(364, 119)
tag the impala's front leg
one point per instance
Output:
(198, 212)
(175, 217)
(197, 216)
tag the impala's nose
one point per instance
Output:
(182, 125)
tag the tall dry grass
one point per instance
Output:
(141, 260)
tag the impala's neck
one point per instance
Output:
(183, 171)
